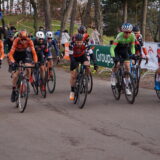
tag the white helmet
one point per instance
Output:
(49, 34)
(40, 35)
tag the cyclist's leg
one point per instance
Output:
(73, 66)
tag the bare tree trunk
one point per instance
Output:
(23, 6)
(159, 25)
(11, 5)
(145, 2)
(98, 18)
(87, 17)
(67, 8)
(47, 12)
(125, 14)
(73, 17)
(34, 5)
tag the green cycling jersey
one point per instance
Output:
(120, 39)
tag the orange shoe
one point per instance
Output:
(71, 96)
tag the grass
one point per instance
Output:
(26, 22)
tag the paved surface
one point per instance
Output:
(55, 129)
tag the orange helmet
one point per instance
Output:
(23, 34)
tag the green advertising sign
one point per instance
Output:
(103, 57)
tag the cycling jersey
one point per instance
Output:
(123, 43)
(139, 46)
(52, 44)
(20, 45)
(1, 50)
(77, 51)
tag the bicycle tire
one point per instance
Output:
(51, 81)
(82, 89)
(129, 98)
(116, 90)
(23, 92)
(90, 83)
(135, 75)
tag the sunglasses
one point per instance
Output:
(127, 32)
(41, 39)
(49, 38)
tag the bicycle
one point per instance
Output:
(136, 71)
(22, 88)
(123, 83)
(81, 87)
(50, 78)
(37, 82)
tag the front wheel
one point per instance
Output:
(116, 90)
(22, 95)
(51, 80)
(82, 91)
(90, 83)
(129, 87)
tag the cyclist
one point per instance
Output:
(42, 52)
(77, 55)
(139, 46)
(123, 45)
(51, 43)
(21, 47)
(1, 52)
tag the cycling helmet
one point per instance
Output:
(23, 34)
(40, 35)
(82, 29)
(49, 34)
(10, 35)
(127, 27)
(78, 37)
(136, 29)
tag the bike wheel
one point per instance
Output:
(116, 90)
(90, 83)
(23, 95)
(43, 88)
(51, 81)
(82, 91)
(157, 91)
(135, 76)
(129, 97)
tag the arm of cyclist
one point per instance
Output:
(1, 50)
(54, 43)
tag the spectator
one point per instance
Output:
(95, 36)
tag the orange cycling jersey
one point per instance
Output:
(1, 50)
(20, 46)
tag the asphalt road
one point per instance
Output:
(55, 129)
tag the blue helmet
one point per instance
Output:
(127, 27)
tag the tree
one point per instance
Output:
(98, 18)
(35, 16)
(66, 11)
(47, 15)
(86, 17)
(145, 2)
(125, 9)
(73, 17)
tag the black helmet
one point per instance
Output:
(136, 29)
(78, 37)
(82, 29)
(10, 34)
